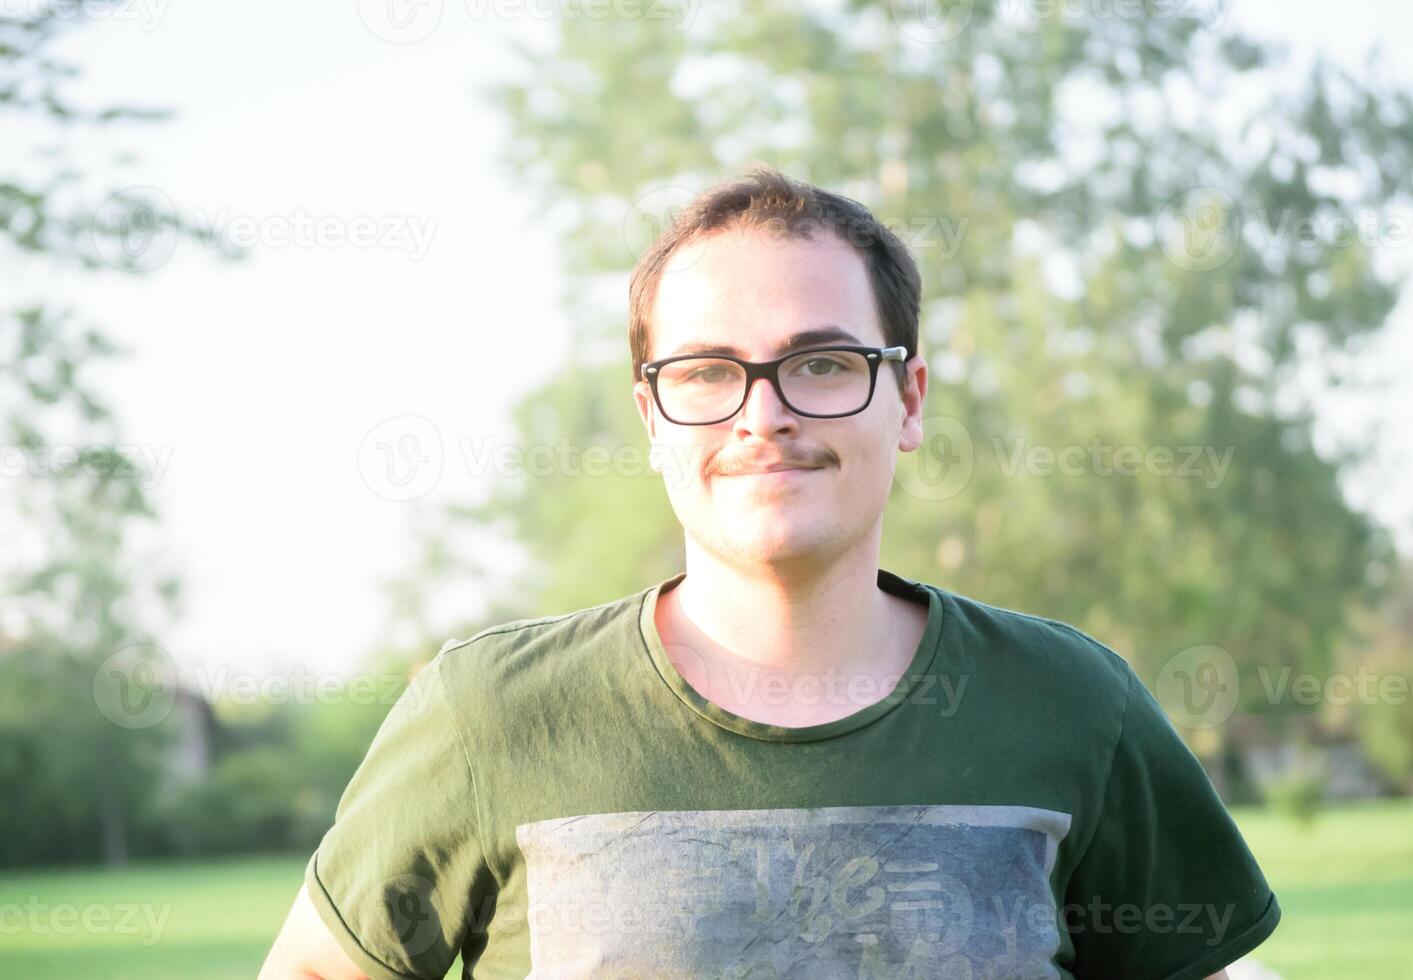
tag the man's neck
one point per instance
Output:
(727, 630)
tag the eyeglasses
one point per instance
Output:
(821, 383)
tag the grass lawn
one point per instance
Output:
(1345, 886)
(191, 919)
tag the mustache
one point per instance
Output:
(722, 465)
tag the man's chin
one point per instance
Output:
(774, 537)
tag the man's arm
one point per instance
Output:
(1219, 975)
(305, 949)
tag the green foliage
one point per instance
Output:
(277, 781)
(1298, 794)
(1376, 705)
(67, 774)
(1385, 731)
(242, 805)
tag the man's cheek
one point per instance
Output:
(677, 463)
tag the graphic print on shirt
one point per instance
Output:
(861, 892)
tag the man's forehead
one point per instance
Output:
(708, 342)
(749, 295)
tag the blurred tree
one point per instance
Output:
(1134, 242)
(1376, 700)
(79, 587)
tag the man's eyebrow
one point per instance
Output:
(805, 338)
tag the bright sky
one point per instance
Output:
(257, 384)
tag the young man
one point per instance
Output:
(785, 761)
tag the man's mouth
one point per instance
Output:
(778, 469)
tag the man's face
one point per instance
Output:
(747, 292)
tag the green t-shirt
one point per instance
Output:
(551, 797)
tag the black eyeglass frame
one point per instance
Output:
(770, 370)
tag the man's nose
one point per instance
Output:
(763, 411)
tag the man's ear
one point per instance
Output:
(914, 398)
(643, 398)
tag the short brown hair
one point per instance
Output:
(766, 198)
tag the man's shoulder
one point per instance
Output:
(519, 650)
(1040, 647)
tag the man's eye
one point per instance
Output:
(822, 366)
(710, 375)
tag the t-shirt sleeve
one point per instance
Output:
(1166, 888)
(400, 878)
